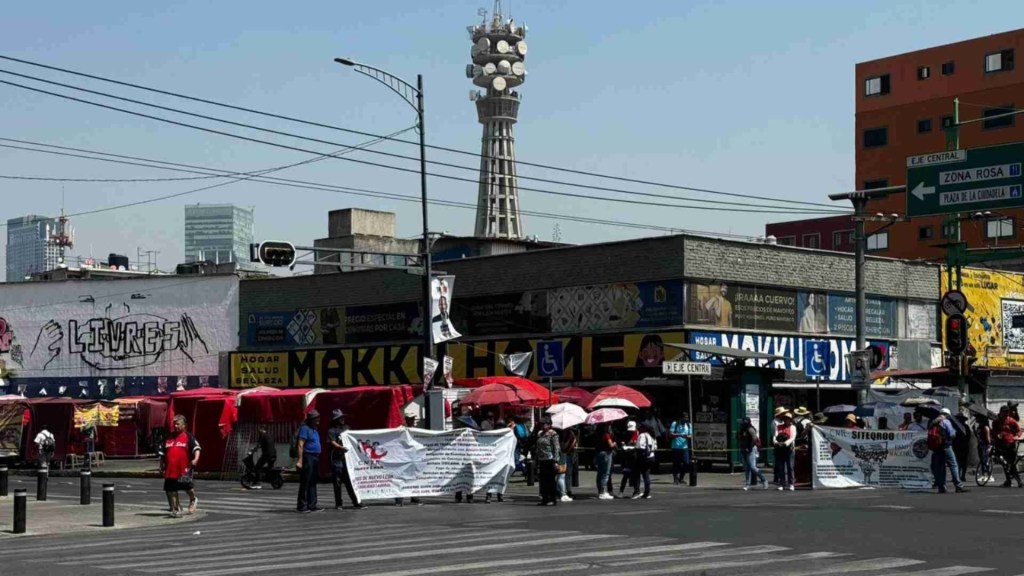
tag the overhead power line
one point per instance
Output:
(188, 168)
(416, 171)
(409, 142)
(745, 205)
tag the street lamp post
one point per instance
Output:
(413, 95)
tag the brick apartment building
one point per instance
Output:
(904, 106)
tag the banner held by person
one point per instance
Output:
(853, 458)
(412, 462)
(441, 292)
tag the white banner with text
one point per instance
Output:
(852, 458)
(412, 462)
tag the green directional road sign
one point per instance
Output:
(965, 180)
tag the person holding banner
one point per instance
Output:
(339, 470)
(548, 449)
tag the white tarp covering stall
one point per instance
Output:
(853, 458)
(101, 337)
(412, 462)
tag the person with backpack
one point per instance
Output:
(681, 432)
(941, 434)
(644, 453)
(179, 458)
(307, 449)
(1007, 432)
(750, 444)
(46, 445)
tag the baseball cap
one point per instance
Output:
(946, 412)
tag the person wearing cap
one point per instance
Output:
(776, 423)
(802, 422)
(785, 436)
(308, 462)
(339, 469)
(1007, 431)
(945, 456)
(548, 449)
(628, 448)
(850, 421)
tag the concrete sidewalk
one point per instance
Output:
(62, 514)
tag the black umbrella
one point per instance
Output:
(979, 410)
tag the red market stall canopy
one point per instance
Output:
(137, 418)
(58, 415)
(531, 387)
(273, 405)
(365, 407)
(574, 395)
(619, 391)
(14, 416)
(211, 415)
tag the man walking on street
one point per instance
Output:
(339, 468)
(308, 462)
(680, 431)
(941, 434)
(179, 459)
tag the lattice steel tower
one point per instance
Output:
(498, 54)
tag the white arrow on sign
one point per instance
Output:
(920, 191)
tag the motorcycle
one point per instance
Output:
(249, 477)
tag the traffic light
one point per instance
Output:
(956, 334)
(276, 253)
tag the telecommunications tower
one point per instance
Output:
(498, 54)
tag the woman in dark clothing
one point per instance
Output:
(548, 451)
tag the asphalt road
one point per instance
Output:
(680, 530)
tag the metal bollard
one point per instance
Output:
(575, 472)
(3, 481)
(20, 505)
(108, 505)
(529, 472)
(42, 479)
(693, 469)
(85, 487)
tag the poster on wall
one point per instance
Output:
(921, 321)
(412, 462)
(880, 316)
(813, 307)
(996, 315)
(748, 307)
(852, 458)
(442, 290)
(711, 434)
(118, 328)
(616, 306)
(495, 314)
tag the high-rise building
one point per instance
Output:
(498, 54)
(905, 107)
(219, 233)
(29, 249)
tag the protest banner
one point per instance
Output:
(412, 462)
(853, 458)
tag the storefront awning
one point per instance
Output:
(721, 352)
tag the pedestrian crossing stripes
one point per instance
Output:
(358, 546)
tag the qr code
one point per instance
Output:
(1013, 325)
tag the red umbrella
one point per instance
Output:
(492, 394)
(574, 395)
(514, 381)
(621, 392)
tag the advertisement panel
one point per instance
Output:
(790, 349)
(748, 307)
(995, 315)
(922, 318)
(334, 325)
(616, 306)
(117, 328)
(326, 368)
(412, 462)
(514, 313)
(880, 316)
(852, 458)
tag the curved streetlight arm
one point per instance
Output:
(407, 91)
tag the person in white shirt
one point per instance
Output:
(646, 446)
(46, 444)
(785, 436)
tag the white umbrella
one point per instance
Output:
(566, 415)
(614, 403)
(603, 415)
(839, 409)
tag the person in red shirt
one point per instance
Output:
(180, 456)
(1008, 433)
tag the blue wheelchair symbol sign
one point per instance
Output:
(816, 359)
(550, 358)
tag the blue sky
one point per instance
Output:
(745, 96)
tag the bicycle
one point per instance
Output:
(987, 465)
(249, 475)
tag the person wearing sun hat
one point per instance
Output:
(802, 422)
(776, 423)
(850, 421)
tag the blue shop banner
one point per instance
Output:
(880, 316)
(268, 328)
(789, 348)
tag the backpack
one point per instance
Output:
(936, 440)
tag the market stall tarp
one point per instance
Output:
(58, 415)
(12, 421)
(138, 417)
(288, 405)
(211, 414)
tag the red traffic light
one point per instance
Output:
(954, 323)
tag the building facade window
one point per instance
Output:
(1001, 117)
(875, 184)
(876, 86)
(924, 72)
(841, 238)
(876, 137)
(949, 230)
(947, 121)
(999, 228)
(1001, 61)
(948, 68)
(924, 126)
(812, 241)
(925, 233)
(878, 241)
(786, 240)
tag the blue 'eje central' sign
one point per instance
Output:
(792, 350)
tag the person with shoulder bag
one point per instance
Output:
(750, 445)
(646, 447)
(179, 458)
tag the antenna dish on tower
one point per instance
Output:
(483, 45)
(519, 69)
(490, 68)
(473, 95)
(504, 67)
(502, 47)
(498, 84)
(469, 70)
(521, 47)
